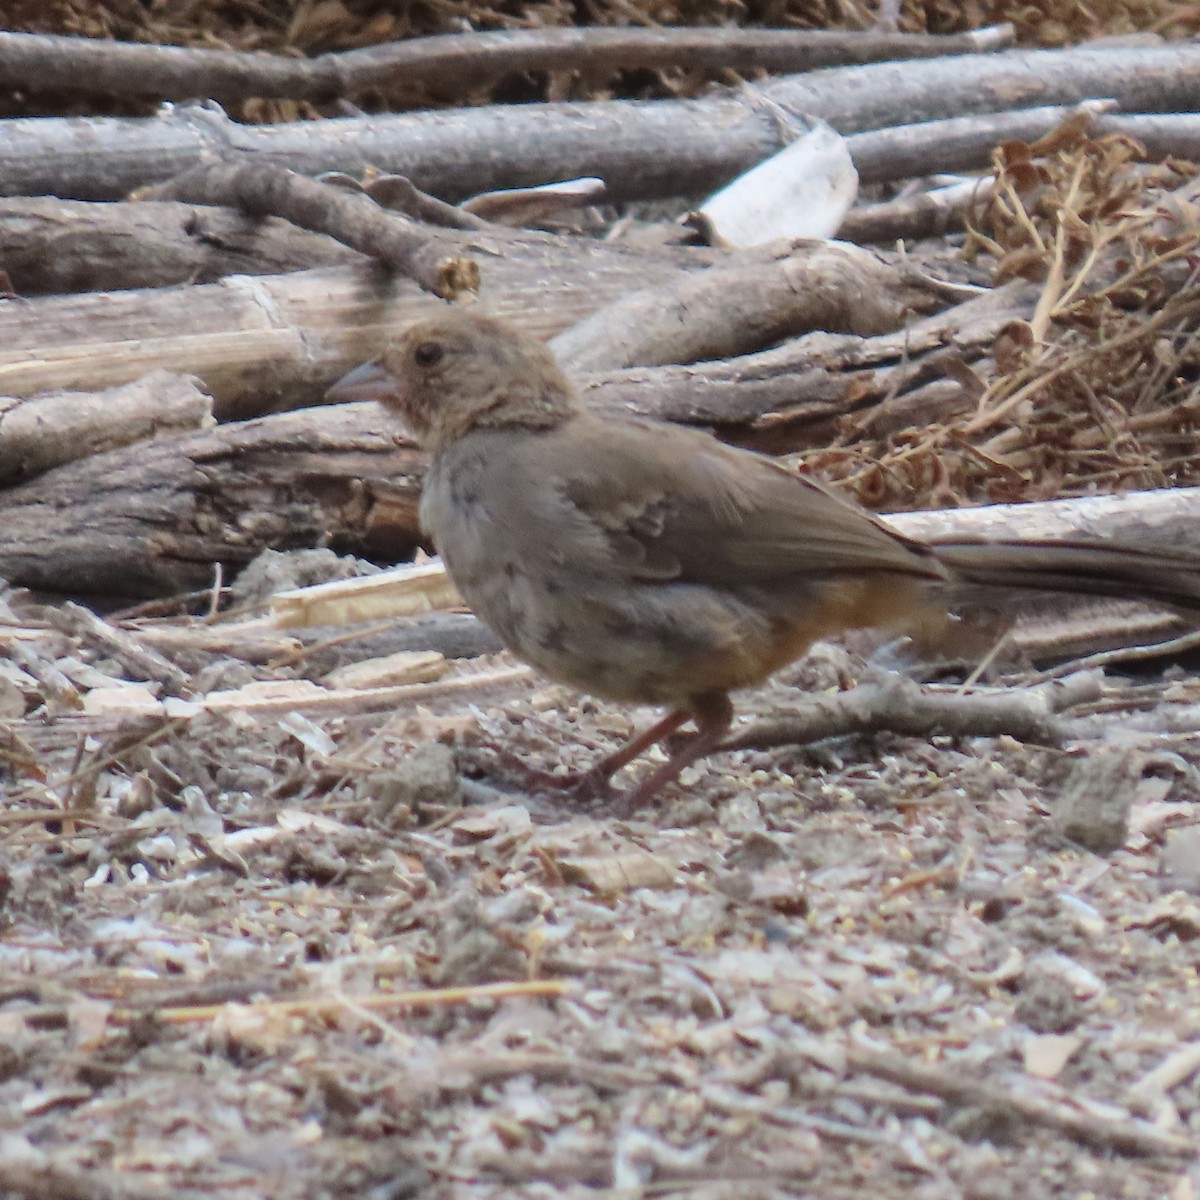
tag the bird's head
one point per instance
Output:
(458, 371)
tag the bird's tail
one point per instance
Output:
(1086, 568)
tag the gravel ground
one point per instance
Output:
(877, 966)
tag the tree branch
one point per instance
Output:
(724, 312)
(454, 64)
(641, 150)
(259, 189)
(895, 704)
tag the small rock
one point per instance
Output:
(427, 774)
(1093, 808)
(1181, 858)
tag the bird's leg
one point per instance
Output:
(713, 714)
(593, 782)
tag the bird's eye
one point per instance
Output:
(428, 354)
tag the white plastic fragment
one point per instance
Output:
(804, 191)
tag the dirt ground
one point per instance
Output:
(873, 967)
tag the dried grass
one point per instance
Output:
(311, 26)
(1055, 22)
(1098, 390)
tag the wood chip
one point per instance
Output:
(612, 874)
(404, 592)
(1046, 1054)
(405, 666)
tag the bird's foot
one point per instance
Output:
(713, 714)
(591, 784)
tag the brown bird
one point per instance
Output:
(646, 562)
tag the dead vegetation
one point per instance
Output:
(1097, 389)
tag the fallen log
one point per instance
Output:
(449, 64)
(274, 341)
(642, 150)
(46, 431)
(152, 519)
(49, 245)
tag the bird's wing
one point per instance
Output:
(661, 502)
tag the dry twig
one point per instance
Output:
(898, 705)
(332, 1006)
(1125, 1136)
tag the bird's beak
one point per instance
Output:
(371, 381)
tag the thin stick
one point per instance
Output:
(1173, 647)
(1123, 1135)
(318, 1006)
(898, 705)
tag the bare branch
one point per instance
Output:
(895, 704)
(259, 189)
(925, 215)
(665, 148)
(48, 430)
(727, 311)
(454, 63)
(49, 245)
(956, 144)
